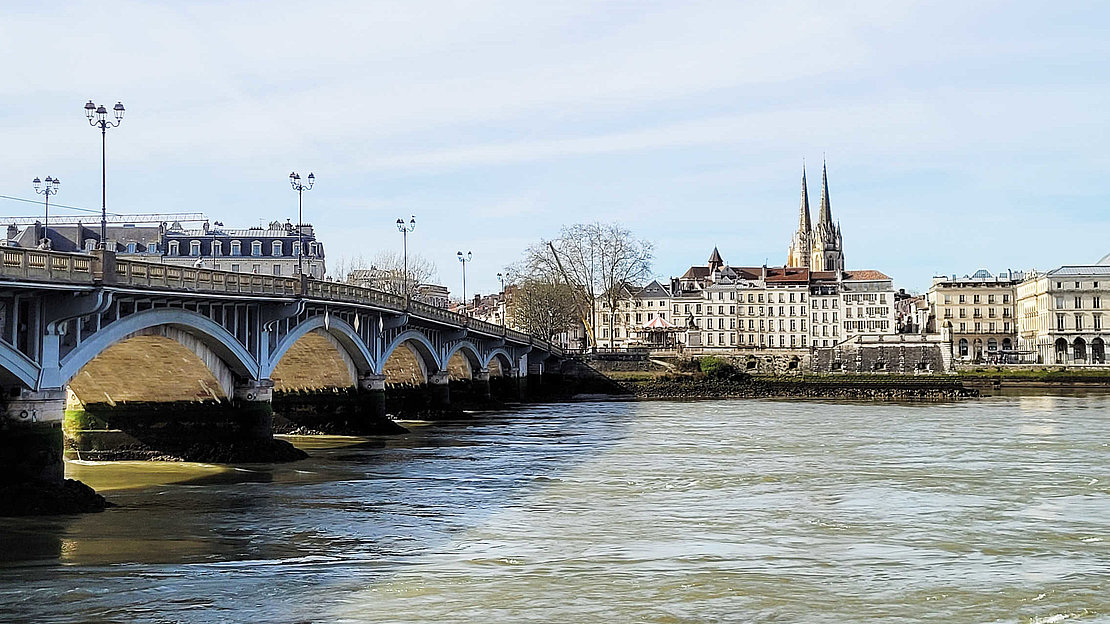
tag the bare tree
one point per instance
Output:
(385, 271)
(544, 308)
(597, 260)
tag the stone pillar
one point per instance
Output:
(374, 387)
(31, 436)
(256, 415)
(481, 384)
(518, 383)
(438, 386)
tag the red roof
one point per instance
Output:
(865, 274)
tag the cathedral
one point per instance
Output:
(816, 247)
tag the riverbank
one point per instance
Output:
(1034, 377)
(863, 387)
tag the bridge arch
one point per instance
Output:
(470, 357)
(17, 368)
(420, 347)
(499, 361)
(338, 329)
(208, 332)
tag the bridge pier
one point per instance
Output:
(32, 469)
(374, 388)
(439, 390)
(480, 381)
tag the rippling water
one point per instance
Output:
(725, 511)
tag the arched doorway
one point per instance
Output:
(992, 346)
(1079, 349)
(1061, 350)
(1007, 345)
(1098, 351)
(978, 349)
(963, 347)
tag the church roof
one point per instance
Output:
(715, 257)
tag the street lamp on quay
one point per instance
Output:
(295, 182)
(98, 118)
(501, 278)
(51, 188)
(464, 259)
(404, 229)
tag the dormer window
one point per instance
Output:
(131, 248)
(194, 248)
(236, 248)
(152, 247)
(174, 248)
(275, 248)
(256, 248)
(217, 248)
(296, 248)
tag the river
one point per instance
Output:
(996, 510)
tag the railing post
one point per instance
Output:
(104, 266)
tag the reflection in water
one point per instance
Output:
(667, 512)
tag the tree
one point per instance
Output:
(599, 261)
(385, 271)
(544, 308)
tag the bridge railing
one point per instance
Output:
(39, 265)
(79, 268)
(153, 275)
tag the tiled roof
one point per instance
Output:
(865, 274)
(696, 272)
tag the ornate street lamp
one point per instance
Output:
(98, 118)
(404, 229)
(51, 188)
(295, 182)
(464, 259)
(504, 307)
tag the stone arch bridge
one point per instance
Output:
(117, 330)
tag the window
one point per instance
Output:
(275, 248)
(256, 249)
(1097, 322)
(235, 268)
(1096, 302)
(277, 269)
(152, 247)
(217, 248)
(1078, 321)
(963, 298)
(131, 247)
(1060, 322)
(174, 248)
(194, 248)
(256, 269)
(236, 248)
(1079, 303)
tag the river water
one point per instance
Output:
(995, 510)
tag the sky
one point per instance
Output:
(957, 135)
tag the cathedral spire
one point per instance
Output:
(803, 220)
(826, 214)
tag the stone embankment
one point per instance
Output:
(867, 387)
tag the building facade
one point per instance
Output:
(273, 250)
(1062, 314)
(976, 314)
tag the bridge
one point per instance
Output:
(98, 333)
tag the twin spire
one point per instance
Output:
(816, 246)
(825, 216)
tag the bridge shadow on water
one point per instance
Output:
(263, 543)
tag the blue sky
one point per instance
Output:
(958, 135)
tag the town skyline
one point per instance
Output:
(938, 162)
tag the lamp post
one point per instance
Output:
(404, 229)
(464, 259)
(51, 188)
(98, 118)
(295, 182)
(504, 307)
